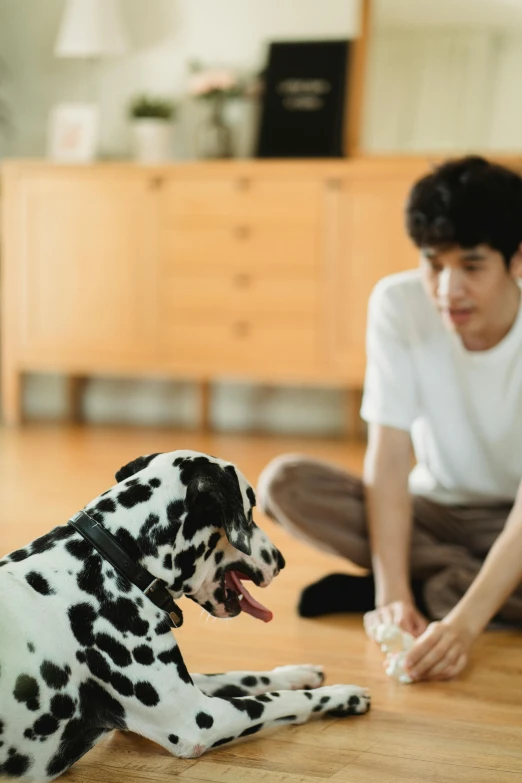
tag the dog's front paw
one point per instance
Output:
(303, 677)
(337, 701)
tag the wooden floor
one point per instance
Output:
(467, 730)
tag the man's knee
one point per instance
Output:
(276, 480)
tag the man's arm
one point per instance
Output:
(442, 652)
(386, 468)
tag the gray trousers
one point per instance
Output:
(324, 505)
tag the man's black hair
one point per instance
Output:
(467, 202)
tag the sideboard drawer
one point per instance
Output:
(241, 293)
(213, 200)
(241, 244)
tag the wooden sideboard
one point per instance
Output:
(256, 270)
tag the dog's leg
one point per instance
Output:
(247, 683)
(188, 723)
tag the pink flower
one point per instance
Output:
(203, 82)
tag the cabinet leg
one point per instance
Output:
(74, 393)
(204, 406)
(11, 396)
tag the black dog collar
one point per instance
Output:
(109, 548)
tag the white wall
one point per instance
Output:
(165, 35)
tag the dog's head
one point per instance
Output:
(198, 533)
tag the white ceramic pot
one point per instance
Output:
(152, 140)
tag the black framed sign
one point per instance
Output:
(303, 105)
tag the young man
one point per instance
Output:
(444, 372)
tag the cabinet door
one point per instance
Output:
(86, 251)
(369, 242)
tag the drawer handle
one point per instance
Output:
(242, 280)
(241, 328)
(242, 232)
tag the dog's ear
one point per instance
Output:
(217, 499)
(134, 467)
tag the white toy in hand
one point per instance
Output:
(396, 643)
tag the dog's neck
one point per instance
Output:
(146, 525)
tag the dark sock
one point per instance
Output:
(337, 593)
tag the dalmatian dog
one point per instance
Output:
(87, 614)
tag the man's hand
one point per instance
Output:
(441, 653)
(402, 613)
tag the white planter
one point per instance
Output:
(152, 140)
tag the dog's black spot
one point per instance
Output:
(252, 729)
(254, 709)
(19, 555)
(39, 583)
(265, 680)
(265, 554)
(264, 697)
(79, 548)
(185, 561)
(249, 681)
(289, 718)
(174, 656)
(212, 543)
(16, 765)
(114, 649)
(62, 706)
(174, 510)
(251, 495)
(223, 741)
(146, 694)
(46, 725)
(134, 467)
(326, 699)
(140, 493)
(30, 647)
(353, 701)
(228, 691)
(123, 584)
(80, 655)
(97, 664)
(280, 559)
(122, 684)
(124, 616)
(317, 708)
(90, 578)
(27, 691)
(139, 602)
(308, 694)
(167, 562)
(174, 739)
(99, 713)
(178, 461)
(106, 506)
(162, 627)
(143, 655)
(125, 539)
(155, 482)
(81, 618)
(218, 557)
(208, 606)
(204, 720)
(55, 677)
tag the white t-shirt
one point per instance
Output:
(463, 408)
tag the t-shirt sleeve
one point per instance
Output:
(390, 389)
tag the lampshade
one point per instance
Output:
(91, 28)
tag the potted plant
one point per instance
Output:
(152, 128)
(215, 86)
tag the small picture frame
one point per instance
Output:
(73, 133)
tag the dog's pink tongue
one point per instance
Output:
(249, 603)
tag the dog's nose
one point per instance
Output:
(280, 560)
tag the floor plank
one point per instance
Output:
(466, 730)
